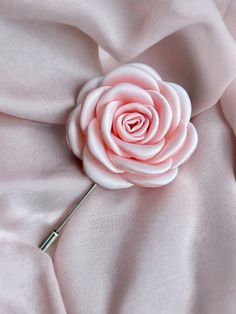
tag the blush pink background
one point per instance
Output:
(165, 250)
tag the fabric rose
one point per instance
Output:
(130, 127)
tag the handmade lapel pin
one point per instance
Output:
(129, 128)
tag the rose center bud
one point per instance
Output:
(133, 122)
(131, 126)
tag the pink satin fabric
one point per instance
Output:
(139, 250)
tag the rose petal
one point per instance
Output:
(134, 107)
(188, 147)
(173, 99)
(131, 74)
(106, 125)
(88, 87)
(135, 166)
(151, 181)
(101, 175)
(126, 93)
(173, 143)
(88, 107)
(165, 114)
(96, 146)
(153, 130)
(140, 151)
(75, 136)
(148, 69)
(185, 102)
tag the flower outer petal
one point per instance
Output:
(165, 114)
(135, 166)
(185, 102)
(188, 147)
(96, 146)
(173, 99)
(130, 74)
(88, 110)
(151, 181)
(148, 69)
(101, 175)
(74, 135)
(173, 143)
(87, 88)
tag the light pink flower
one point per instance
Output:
(130, 127)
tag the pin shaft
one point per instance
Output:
(53, 235)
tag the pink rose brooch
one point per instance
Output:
(129, 128)
(132, 128)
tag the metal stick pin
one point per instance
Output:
(48, 241)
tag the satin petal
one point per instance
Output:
(106, 125)
(152, 134)
(148, 69)
(140, 151)
(74, 135)
(89, 106)
(131, 74)
(151, 181)
(173, 99)
(87, 88)
(96, 146)
(173, 143)
(185, 102)
(126, 93)
(134, 107)
(135, 166)
(188, 148)
(101, 175)
(165, 114)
